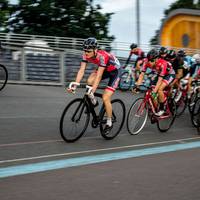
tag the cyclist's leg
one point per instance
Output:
(161, 97)
(109, 91)
(107, 103)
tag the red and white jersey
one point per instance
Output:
(103, 59)
(161, 67)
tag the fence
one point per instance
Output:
(55, 61)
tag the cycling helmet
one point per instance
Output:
(90, 43)
(196, 57)
(181, 53)
(163, 50)
(133, 46)
(171, 54)
(152, 54)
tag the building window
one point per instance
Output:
(185, 40)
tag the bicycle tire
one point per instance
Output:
(198, 123)
(3, 76)
(181, 105)
(71, 110)
(133, 116)
(125, 81)
(118, 109)
(172, 107)
(195, 112)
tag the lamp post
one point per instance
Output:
(138, 21)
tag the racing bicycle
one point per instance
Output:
(76, 117)
(148, 106)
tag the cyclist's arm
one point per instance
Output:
(128, 59)
(81, 72)
(98, 78)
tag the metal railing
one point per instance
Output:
(54, 62)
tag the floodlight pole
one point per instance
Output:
(138, 21)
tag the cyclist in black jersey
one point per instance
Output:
(177, 64)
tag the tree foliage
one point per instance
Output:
(188, 4)
(70, 18)
(4, 14)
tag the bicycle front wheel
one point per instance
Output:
(118, 118)
(74, 120)
(137, 116)
(3, 76)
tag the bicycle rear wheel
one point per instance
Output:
(181, 106)
(191, 101)
(198, 123)
(195, 112)
(74, 120)
(125, 81)
(118, 117)
(137, 116)
(3, 76)
(164, 124)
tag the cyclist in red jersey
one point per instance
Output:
(165, 76)
(108, 68)
(135, 50)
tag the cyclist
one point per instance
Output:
(194, 70)
(139, 55)
(163, 52)
(165, 75)
(177, 64)
(108, 68)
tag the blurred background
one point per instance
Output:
(42, 39)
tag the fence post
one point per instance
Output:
(62, 68)
(23, 64)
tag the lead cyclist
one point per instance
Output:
(108, 67)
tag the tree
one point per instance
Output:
(189, 4)
(71, 18)
(4, 14)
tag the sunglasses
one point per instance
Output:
(88, 51)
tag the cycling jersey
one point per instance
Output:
(161, 67)
(103, 59)
(136, 55)
(188, 62)
(195, 70)
(177, 64)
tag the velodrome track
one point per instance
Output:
(36, 164)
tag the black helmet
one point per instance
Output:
(90, 43)
(152, 54)
(181, 53)
(163, 50)
(171, 54)
(133, 46)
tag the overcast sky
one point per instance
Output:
(123, 22)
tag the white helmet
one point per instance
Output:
(196, 57)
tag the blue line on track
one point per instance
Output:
(71, 162)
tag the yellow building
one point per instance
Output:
(181, 29)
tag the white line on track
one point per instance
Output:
(31, 142)
(99, 150)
